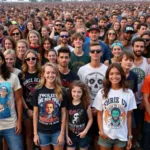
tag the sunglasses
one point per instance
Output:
(58, 25)
(146, 40)
(64, 36)
(17, 33)
(111, 34)
(97, 51)
(32, 58)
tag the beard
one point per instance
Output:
(137, 55)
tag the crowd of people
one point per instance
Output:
(75, 76)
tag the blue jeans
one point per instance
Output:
(14, 141)
(146, 136)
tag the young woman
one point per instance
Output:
(29, 26)
(117, 27)
(45, 32)
(29, 78)
(16, 33)
(117, 48)
(21, 47)
(114, 103)
(79, 117)
(47, 44)
(52, 56)
(10, 58)
(34, 40)
(110, 37)
(49, 114)
(9, 43)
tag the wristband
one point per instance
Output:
(130, 137)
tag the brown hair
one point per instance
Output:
(16, 28)
(128, 54)
(107, 83)
(85, 98)
(77, 35)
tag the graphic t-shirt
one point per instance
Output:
(77, 117)
(115, 109)
(8, 115)
(49, 107)
(142, 71)
(93, 77)
(67, 79)
(28, 86)
(146, 90)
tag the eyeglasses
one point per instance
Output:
(17, 33)
(58, 25)
(32, 58)
(146, 40)
(97, 51)
(111, 34)
(64, 36)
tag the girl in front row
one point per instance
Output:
(49, 110)
(79, 117)
(115, 103)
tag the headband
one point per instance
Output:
(117, 43)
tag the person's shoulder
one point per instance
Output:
(84, 67)
(104, 66)
(133, 74)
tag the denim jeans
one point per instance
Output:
(146, 137)
(14, 141)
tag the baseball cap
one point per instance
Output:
(128, 29)
(93, 27)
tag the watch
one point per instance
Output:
(130, 137)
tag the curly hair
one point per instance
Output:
(107, 83)
(85, 98)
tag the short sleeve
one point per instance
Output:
(146, 85)
(34, 100)
(16, 83)
(132, 101)
(98, 101)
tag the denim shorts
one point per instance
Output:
(14, 141)
(48, 139)
(110, 143)
(80, 142)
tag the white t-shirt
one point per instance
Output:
(142, 71)
(93, 77)
(115, 109)
(58, 47)
(8, 115)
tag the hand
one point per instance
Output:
(94, 111)
(129, 144)
(60, 139)
(36, 140)
(18, 127)
(82, 134)
(105, 136)
(30, 113)
(69, 142)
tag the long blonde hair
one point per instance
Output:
(38, 67)
(57, 82)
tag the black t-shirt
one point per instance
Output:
(77, 117)
(67, 79)
(133, 81)
(49, 107)
(28, 86)
(18, 63)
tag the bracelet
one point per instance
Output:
(130, 137)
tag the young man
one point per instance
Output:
(93, 75)
(67, 76)
(142, 69)
(10, 96)
(94, 34)
(78, 57)
(64, 39)
(69, 24)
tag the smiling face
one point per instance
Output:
(10, 60)
(29, 26)
(8, 44)
(31, 60)
(52, 57)
(47, 45)
(116, 50)
(16, 35)
(76, 93)
(33, 38)
(21, 48)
